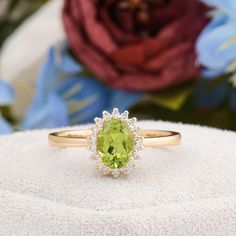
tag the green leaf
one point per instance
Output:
(174, 98)
(5, 111)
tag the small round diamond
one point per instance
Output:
(106, 170)
(136, 131)
(115, 173)
(115, 113)
(138, 148)
(99, 166)
(92, 140)
(136, 156)
(125, 115)
(94, 131)
(94, 157)
(98, 121)
(106, 115)
(132, 121)
(131, 165)
(138, 140)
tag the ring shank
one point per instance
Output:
(80, 138)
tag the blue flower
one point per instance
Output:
(216, 46)
(66, 96)
(216, 49)
(6, 98)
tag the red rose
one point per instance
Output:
(136, 44)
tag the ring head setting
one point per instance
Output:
(115, 143)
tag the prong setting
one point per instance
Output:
(138, 141)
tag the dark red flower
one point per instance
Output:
(136, 45)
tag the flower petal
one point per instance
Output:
(96, 32)
(47, 110)
(52, 115)
(68, 64)
(124, 100)
(85, 97)
(7, 95)
(48, 75)
(228, 6)
(45, 84)
(211, 52)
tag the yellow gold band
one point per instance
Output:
(80, 138)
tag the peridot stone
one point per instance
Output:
(115, 143)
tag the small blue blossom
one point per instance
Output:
(66, 96)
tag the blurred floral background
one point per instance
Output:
(64, 62)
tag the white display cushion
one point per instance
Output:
(184, 190)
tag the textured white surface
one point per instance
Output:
(185, 190)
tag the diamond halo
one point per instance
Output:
(134, 130)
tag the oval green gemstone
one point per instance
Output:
(115, 143)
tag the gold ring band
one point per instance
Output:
(80, 138)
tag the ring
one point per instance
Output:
(115, 141)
